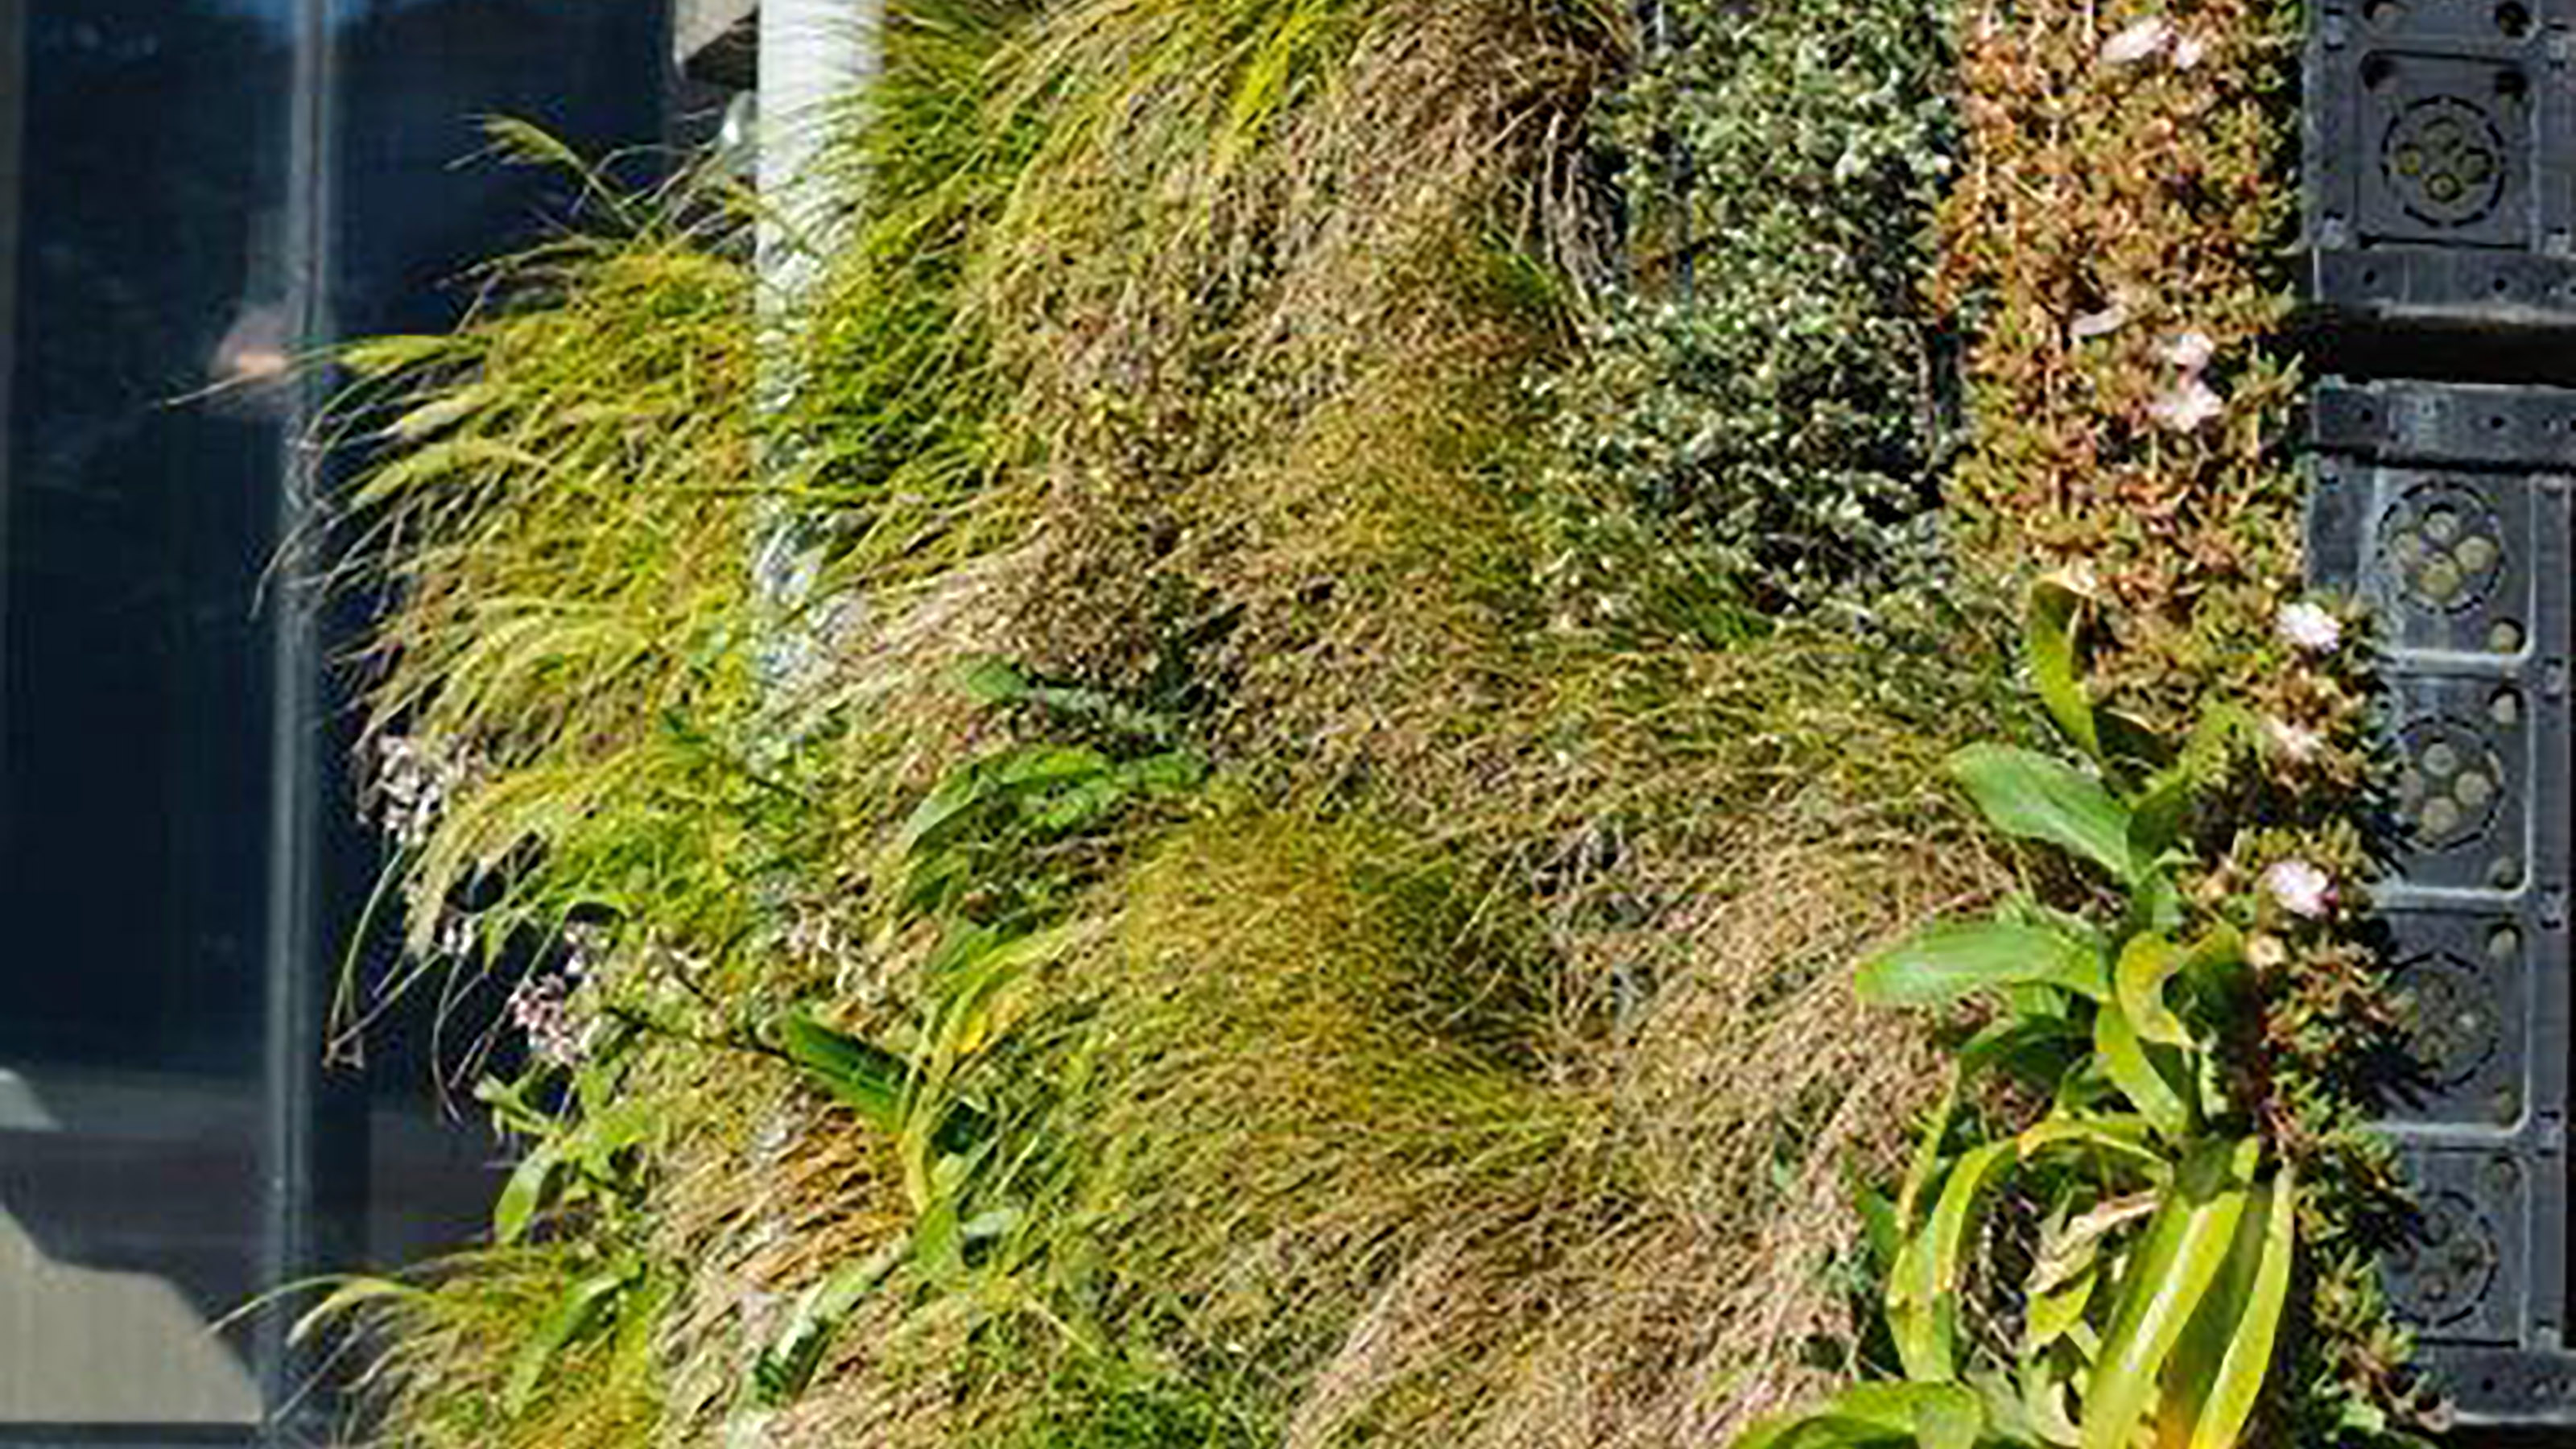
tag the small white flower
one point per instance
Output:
(2301, 888)
(542, 1008)
(2266, 952)
(2187, 407)
(2078, 577)
(2189, 351)
(2099, 324)
(2309, 628)
(2188, 51)
(2295, 744)
(2137, 42)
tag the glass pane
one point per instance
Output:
(133, 791)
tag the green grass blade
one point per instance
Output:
(2238, 1384)
(2185, 1249)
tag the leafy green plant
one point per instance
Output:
(989, 859)
(2154, 1295)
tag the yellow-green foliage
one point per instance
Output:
(451, 1377)
(1472, 1062)
(2119, 211)
(564, 523)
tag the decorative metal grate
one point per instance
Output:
(2446, 507)
(2439, 161)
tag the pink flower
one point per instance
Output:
(2188, 52)
(2187, 407)
(542, 1008)
(2294, 743)
(2137, 42)
(2189, 351)
(2309, 629)
(2300, 887)
(2099, 324)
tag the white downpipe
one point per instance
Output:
(817, 59)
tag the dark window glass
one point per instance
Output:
(132, 827)
(190, 192)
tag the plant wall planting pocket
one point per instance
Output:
(2446, 508)
(2440, 145)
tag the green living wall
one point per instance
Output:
(1397, 586)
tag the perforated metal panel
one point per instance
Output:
(2446, 508)
(2438, 159)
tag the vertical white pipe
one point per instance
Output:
(817, 58)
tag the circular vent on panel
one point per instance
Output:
(2445, 160)
(2446, 1266)
(2443, 548)
(2455, 1027)
(2452, 780)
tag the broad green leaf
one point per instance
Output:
(1923, 1323)
(1046, 765)
(2146, 964)
(1954, 1216)
(1934, 1416)
(2125, 1058)
(1947, 1417)
(2185, 1248)
(2054, 1312)
(2050, 639)
(1926, 1340)
(525, 1192)
(1879, 1232)
(787, 1365)
(1927, 1157)
(2157, 818)
(870, 1079)
(957, 792)
(2238, 1383)
(2036, 798)
(989, 679)
(1946, 962)
(1922, 1291)
(573, 1316)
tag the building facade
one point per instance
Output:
(195, 195)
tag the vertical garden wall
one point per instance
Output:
(1402, 591)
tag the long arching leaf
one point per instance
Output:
(2050, 640)
(2146, 964)
(1946, 962)
(2036, 798)
(2185, 1249)
(2125, 1058)
(2238, 1383)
